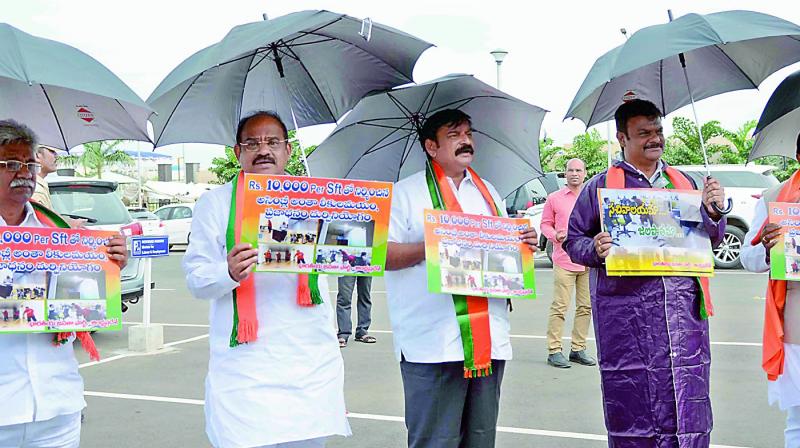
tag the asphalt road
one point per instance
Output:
(156, 400)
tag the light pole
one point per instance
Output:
(498, 55)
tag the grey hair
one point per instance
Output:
(575, 159)
(12, 132)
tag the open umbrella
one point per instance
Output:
(777, 129)
(378, 139)
(63, 94)
(311, 67)
(688, 59)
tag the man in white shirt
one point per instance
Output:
(443, 408)
(782, 322)
(40, 387)
(286, 387)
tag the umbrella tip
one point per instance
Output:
(265, 16)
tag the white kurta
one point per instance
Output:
(424, 324)
(785, 391)
(286, 386)
(38, 380)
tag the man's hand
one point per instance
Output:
(241, 260)
(529, 237)
(770, 235)
(74, 223)
(561, 235)
(117, 250)
(713, 193)
(602, 244)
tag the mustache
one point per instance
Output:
(22, 183)
(264, 158)
(654, 146)
(465, 149)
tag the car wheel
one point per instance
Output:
(549, 250)
(726, 255)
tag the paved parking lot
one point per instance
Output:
(156, 400)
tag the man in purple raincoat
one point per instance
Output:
(652, 344)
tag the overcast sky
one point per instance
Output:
(551, 45)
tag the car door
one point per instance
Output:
(170, 227)
(182, 222)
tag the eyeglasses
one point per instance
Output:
(16, 165)
(255, 145)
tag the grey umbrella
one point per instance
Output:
(777, 129)
(378, 139)
(310, 67)
(688, 59)
(63, 94)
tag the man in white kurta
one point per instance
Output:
(41, 390)
(443, 409)
(785, 391)
(287, 387)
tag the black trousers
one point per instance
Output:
(446, 410)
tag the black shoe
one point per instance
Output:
(558, 360)
(581, 358)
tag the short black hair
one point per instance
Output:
(445, 117)
(635, 108)
(261, 113)
(798, 144)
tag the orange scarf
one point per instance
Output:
(615, 178)
(772, 345)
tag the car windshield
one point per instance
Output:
(741, 179)
(90, 201)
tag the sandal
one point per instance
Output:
(342, 342)
(367, 339)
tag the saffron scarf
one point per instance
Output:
(772, 342)
(245, 320)
(615, 178)
(472, 312)
(51, 219)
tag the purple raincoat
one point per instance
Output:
(652, 346)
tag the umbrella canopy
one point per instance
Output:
(63, 94)
(724, 51)
(310, 65)
(777, 129)
(378, 140)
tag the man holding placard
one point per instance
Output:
(276, 373)
(452, 351)
(42, 391)
(781, 345)
(652, 333)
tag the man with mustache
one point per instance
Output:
(41, 389)
(275, 375)
(452, 349)
(652, 332)
(567, 276)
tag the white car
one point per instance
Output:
(745, 185)
(151, 225)
(529, 199)
(177, 222)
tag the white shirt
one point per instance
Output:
(38, 380)
(286, 386)
(424, 324)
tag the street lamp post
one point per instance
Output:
(498, 55)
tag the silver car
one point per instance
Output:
(96, 201)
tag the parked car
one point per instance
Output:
(151, 224)
(177, 221)
(528, 200)
(745, 185)
(95, 201)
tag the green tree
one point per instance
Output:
(549, 154)
(683, 146)
(742, 141)
(225, 168)
(588, 147)
(97, 155)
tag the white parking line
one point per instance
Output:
(129, 355)
(377, 417)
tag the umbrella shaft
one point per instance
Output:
(697, 121)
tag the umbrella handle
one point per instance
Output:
(722, 211)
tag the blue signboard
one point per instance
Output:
(149, 246)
